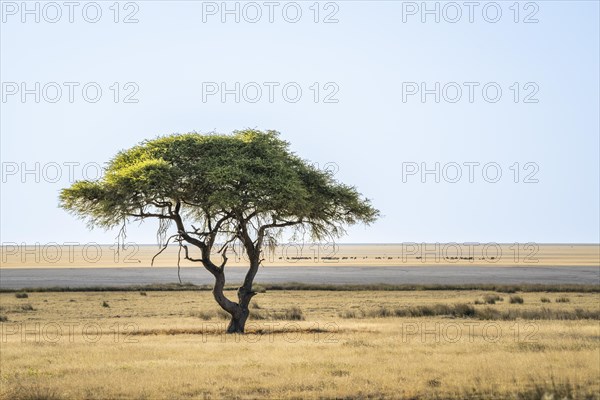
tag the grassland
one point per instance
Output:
(418, 344)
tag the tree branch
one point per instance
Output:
(161, 250)
(224, 254)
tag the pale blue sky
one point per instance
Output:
(368, 133)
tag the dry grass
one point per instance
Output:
(168, 345)
(516, 299)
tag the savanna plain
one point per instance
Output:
(480, 343)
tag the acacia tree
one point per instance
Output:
(218, 191)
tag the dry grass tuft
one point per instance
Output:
(516, 299)
(28, 390)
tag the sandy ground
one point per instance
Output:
(361, 255)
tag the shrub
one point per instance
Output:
(259, 289)
(434, 383)
(489, 313)
(294, 314)
(350, 314)
(340, 372)
(257, 315)
(31, 391)
(205, 315)
(539, 314)
(562, 300)
(382, 312)
(3, 318)
(456, 310)
(17, 308)
(492, 298)
(105, 304)
(143, 294)
(545, 300)
(21, 295)
(516, 299)
(290, 314)
(468, 311)
(507, 289)
(208, 315)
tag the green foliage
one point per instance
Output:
(248, 174)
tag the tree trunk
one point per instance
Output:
(239, 311)
(238, 314)
(238, 322)
(239, 318)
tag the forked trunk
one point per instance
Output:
(239, 311)
(239, 318)
(238, 322)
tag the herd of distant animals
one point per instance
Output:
(380, 258)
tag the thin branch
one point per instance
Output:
(163, 249)
(187, 256)
(121, 235)
(178, 261)
(161, 204)
(143, 215)
(224, 255)
(226, 243)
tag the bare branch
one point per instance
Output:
(226, 243)
(178, 263)
(162, 249)
(187, 256)
(224, 255)
(121, 236)
(143, 215)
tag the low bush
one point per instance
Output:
(516, 300)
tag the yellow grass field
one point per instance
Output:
(49, 255)
(302, 344)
